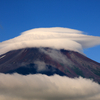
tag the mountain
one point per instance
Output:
(49, 61)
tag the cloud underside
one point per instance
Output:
(59, 38)
(42, 87)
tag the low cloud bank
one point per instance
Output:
(42, 87)
(57, 37)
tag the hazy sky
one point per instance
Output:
(17, 16)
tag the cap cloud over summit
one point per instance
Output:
(56, 37)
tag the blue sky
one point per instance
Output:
(17, 16)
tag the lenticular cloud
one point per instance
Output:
(57, 37)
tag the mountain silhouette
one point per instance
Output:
(49, 61)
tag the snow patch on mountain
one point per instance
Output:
(2, 56)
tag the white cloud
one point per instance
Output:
(42, 87)
(40, 66)
(57, 56)
(59, 38)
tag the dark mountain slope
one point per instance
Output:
(49, 61)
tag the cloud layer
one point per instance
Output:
(59, 38)
(42, 87)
